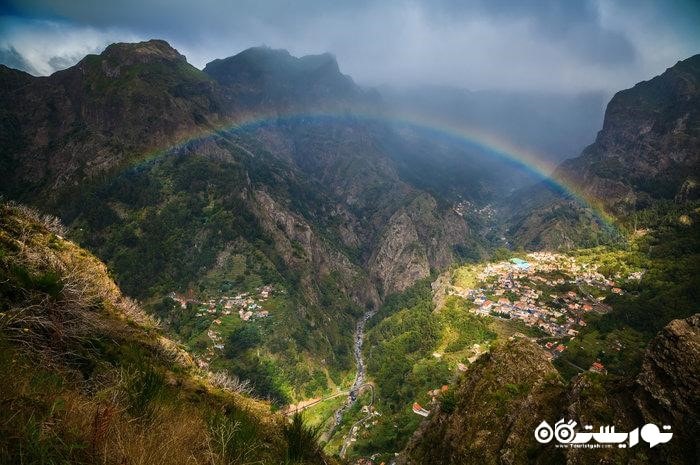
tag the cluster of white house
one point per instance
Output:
(464, 207)
(514, 289)
(247, 306)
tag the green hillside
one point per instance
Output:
(90, 378)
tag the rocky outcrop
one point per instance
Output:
(83, 122)
(650, 132)
(503, 397)
(670, 373)
(261, 76)
(301, 248)
(668, 387)
(399, 260)
(496, 407)
(416, 240)
(666, 392)
(121, 56)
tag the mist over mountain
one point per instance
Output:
(555, 126)
(360, 254)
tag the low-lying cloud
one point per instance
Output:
(42, 46)
(479, 44)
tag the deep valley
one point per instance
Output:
(261, 261)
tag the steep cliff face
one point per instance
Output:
(648, 147)
(412, 245)
(99, 114)
(647, 151)
(668, 387)
(399, 259)
(302, 249)
(504, 396)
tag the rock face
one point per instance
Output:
(664, 393)
(503, 397)
(399, 260)
(103, 112)
(497, 402)
(411, 246)
(302, 249)
(264, 76)
(668, 387)
(648, 150)
(648, 147)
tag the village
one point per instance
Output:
(245, 304)
(249, 306)
(465, 208)
(548, 291)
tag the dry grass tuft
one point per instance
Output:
(89, 378)
(229, 383)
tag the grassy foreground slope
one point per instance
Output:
(88, 378)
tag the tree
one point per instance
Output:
(241, 339)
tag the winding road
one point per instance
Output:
(356, 425)
(301, 406)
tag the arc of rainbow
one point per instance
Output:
(489, 143)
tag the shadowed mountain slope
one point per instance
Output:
(647, 152)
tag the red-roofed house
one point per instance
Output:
(598, 367)
(419, 410)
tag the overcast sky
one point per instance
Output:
(565, 46)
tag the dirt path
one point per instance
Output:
(304, 404)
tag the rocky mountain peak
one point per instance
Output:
(650, 132)
(116, 57)
(265, 75)
(648, 103)
(155, 50)
(645, 153)
(270, 64)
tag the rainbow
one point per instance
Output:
(489, 143)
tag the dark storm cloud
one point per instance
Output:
(510, 44)
(575, 24)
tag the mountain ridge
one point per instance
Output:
(86, 366)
